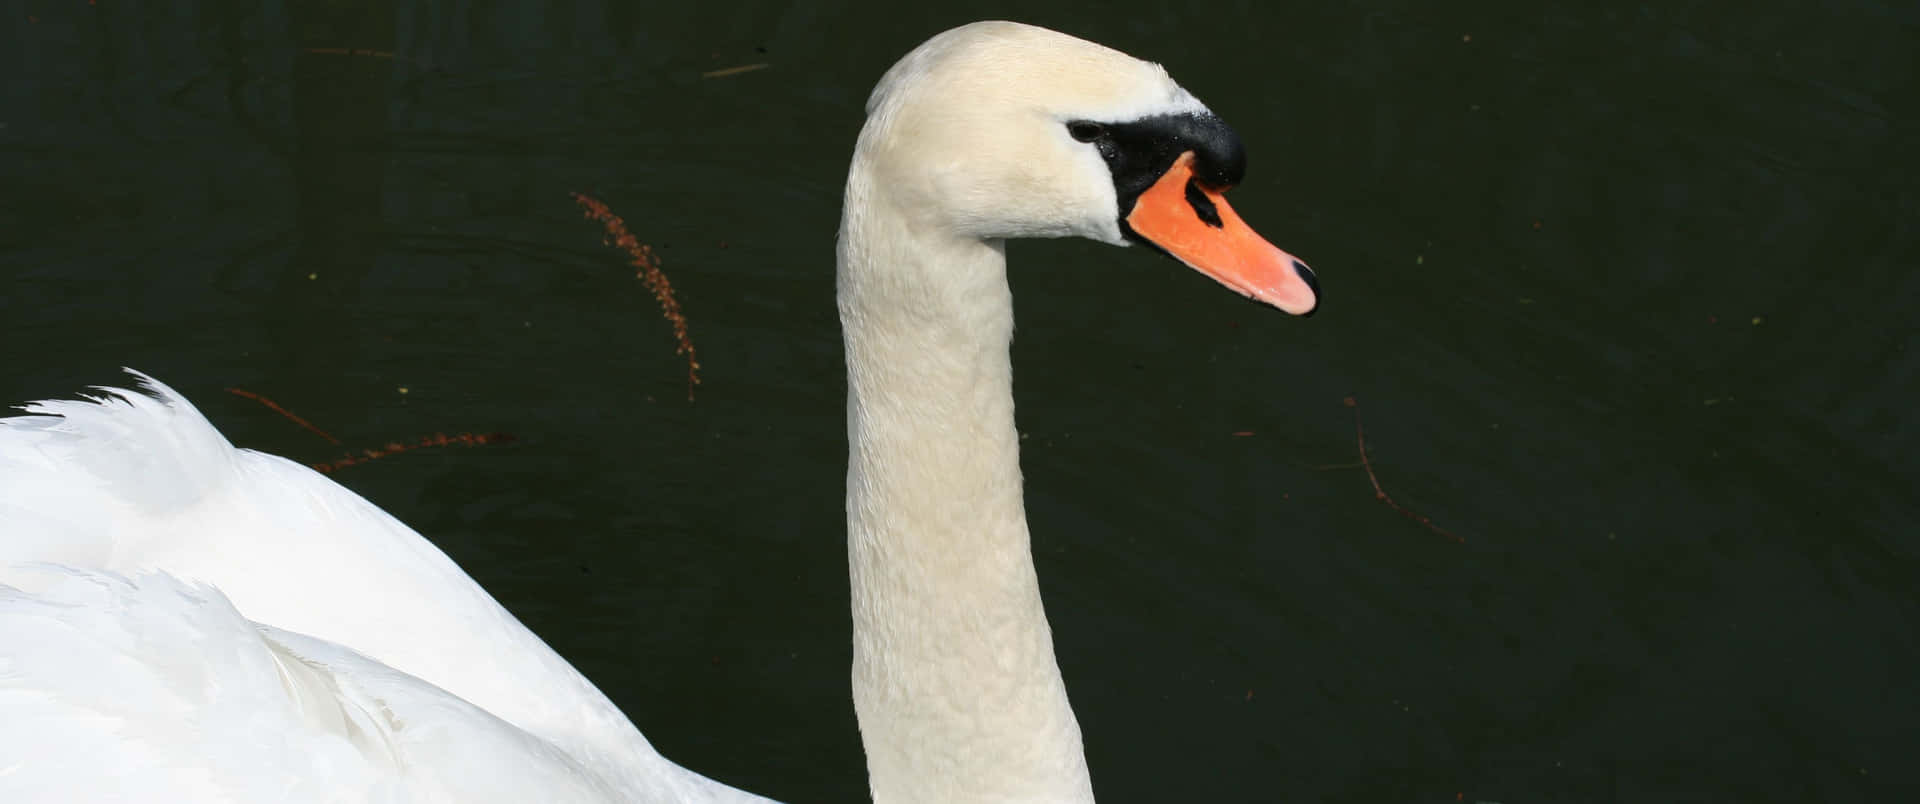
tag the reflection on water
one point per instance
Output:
(1626, 295)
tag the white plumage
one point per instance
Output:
(132, 484)
(154, 689)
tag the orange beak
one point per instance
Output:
(1197, 227)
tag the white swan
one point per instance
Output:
(356, 661)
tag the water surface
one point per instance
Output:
(1626, 298)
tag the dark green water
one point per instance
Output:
(1627, 298)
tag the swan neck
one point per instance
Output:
(954, 680)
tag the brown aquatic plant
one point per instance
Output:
(372, 453)
(647, 268)
(396, 447)
(1360, 435)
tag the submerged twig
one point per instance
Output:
(275, 407)
(727, 71)
(348, 51)
(1360, 435)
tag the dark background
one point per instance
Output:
(1626, 297)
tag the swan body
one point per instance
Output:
(191, 621)
(132, 484)
(197, 703)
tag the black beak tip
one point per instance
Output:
(1313, 283)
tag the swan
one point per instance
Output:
(184, 620)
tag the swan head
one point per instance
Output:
(1000, 130)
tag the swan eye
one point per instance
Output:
(1086, 132)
